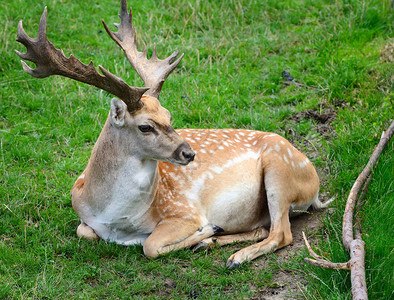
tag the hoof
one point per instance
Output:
(232, 264)
(200, 245)
(217, 229)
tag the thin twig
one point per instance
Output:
(327, 264)
(310, 250)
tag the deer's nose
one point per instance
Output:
(188, 155)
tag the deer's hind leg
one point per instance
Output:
(221, 240)
(280, 234)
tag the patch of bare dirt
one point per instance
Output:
(325, 117)
(323, 120)
(387, 53)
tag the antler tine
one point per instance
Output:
(52, 61)
(153, 71)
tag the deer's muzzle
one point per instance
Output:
(183, 155)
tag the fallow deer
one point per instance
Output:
(145, 184)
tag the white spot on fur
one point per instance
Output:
(282, 142)
(304, 163)
(277, 148)
(174, 176)
(269, 135)
(217, 169)
(290, 153)
(285, 159)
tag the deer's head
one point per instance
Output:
(150, 128)
(136, 113)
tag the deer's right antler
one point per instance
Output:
(51, 61)
(153, 71)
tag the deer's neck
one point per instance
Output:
(120, 183)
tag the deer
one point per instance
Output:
(147, 183)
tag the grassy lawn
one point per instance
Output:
(340, 54)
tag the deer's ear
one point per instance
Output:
(117, 113)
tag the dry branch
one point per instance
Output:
(347, 228)
(355, 245)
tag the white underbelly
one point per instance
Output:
(238, 209)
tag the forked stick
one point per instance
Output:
(356, 245)
(319, 261)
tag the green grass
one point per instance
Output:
(230, 76)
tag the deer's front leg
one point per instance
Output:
(173, 234)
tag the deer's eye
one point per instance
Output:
(145, 128)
